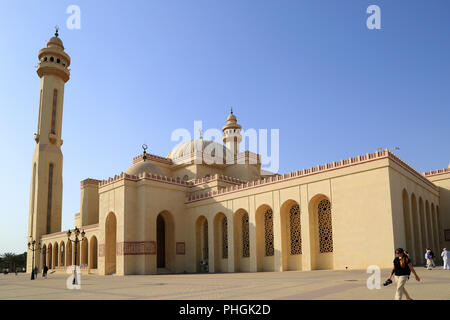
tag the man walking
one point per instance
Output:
(445, 254)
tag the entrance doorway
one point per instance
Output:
(160, 242)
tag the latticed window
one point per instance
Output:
(224, 238)
(55, 100)
(295, 230)
(245, 236)
(49, 197)
(268, 231)
(325, 228)
(205, 240)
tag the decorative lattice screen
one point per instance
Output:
(325, 228)
(295, 230)
(245, 236)
(224, 238)
(268, 228)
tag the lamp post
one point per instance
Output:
(33, 247)
(77, 233)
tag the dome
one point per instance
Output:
(144, 166)
(198, 145)
(55, 41)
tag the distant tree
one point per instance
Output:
(12, 261)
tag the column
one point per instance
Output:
(304, 221)
(252, 234)
(278, 257)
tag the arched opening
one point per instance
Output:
(77, 254)
(428, 223)
(55, 255)
(241, 227)
(415, 217)
(440, 235)
(423, 232)
(201, 233)
(62, 254)
(110, 243)
(435, 229)
(49, 256)
(93, 255)
(321, 233)
(264, 239)
(69, 254)
(407, 222)
(291, 236)
(220, 243)
(84, 252)
(165, 242)
(44, 256)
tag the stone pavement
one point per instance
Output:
(293, 285)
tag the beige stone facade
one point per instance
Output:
(206, 207)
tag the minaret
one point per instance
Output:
(232, 133)
(46, 179)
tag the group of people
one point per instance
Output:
(44, 272)
(429, 257)
(403, 267)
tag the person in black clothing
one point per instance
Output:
(44, 272)
(402, 269)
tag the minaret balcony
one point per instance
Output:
(52, 137)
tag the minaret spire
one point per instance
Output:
(45, 212)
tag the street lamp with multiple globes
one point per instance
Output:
(77, 233)
(33, 247)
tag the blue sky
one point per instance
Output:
(141, 69)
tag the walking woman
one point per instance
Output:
(402, 269)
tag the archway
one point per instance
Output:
(49, 256)
(165, 242)
(429, 224)
(77, 254)
(55, 255)
(291, 236)
(44, 256)
(220, 243)
(62, 254)
(435, 229)
(321, 233)
(110, 243)
(201, 237)
(423, 232)
(85, 252)
(264, 239)
(93, 249)
(407, 222)
(241, 227)
(69, 254)
(417, 242)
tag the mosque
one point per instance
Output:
(184, 213)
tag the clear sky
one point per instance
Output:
(141, 69)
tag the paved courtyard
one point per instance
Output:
(292, 285)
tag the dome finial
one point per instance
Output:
(56, 31)
(144, 146)
(231, 111)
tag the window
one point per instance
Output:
(295, 230)
(52, 59)
(49, 197)
(325, 228)
(268, 232)
(55, 100)
(245, 236)
(224, 238)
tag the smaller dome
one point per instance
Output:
(55, 42)
(143, 167)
